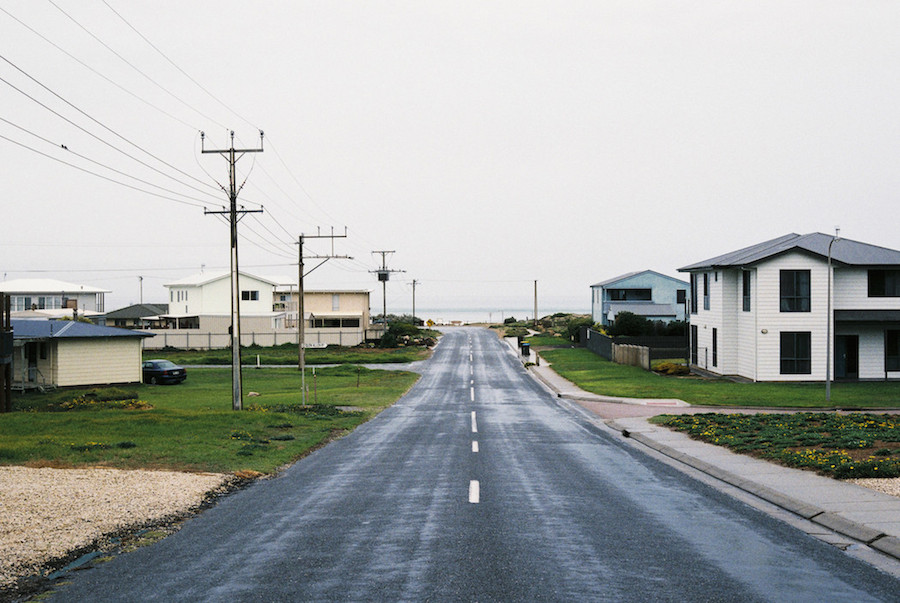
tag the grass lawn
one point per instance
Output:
(191, 426)
(548, 341)
(841, 446)
(287, 355)
(598, 375)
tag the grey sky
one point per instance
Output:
(488, 143)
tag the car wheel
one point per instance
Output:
(153, 380)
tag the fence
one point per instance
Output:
(657, 347)
(191, 339)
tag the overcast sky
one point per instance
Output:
(488, 143)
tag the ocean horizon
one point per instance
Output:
(481, 315)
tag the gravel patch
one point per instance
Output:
(46, 513)
(889, 485)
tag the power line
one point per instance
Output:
(86, 66)
(127, 62)
(126, 185)
(103, 165)
(171, 62)
(104, 126)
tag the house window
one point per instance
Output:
(884, 283)
(746, 291)
(693, 293)
(335, 302)
(795, 291)
(892, 350)
(695, 348)
(796, 353)
(706, 291)
(630, 295)
(250, 295)
(715, 347)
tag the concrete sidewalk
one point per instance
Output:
(859, 513)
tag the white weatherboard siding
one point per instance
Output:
(774, 321)
(98, 361)
(747, 330)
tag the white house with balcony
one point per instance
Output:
(53, 297)
(199, 314)
(762, 312)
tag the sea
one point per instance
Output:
(447, 316)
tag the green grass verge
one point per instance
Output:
(598, 375)
(842, 446)
(191, 426)
(287, 355)
(548, 341)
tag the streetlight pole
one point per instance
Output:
(834, 239)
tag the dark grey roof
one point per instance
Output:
(636, 273)
(67, 329)
(139, 311)
(844, 251)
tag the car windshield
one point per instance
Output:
(164, 364)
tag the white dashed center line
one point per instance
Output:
(474, 492)
(474, 424)
(475, 446)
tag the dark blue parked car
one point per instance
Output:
(163, 371)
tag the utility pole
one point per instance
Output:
(141, 287)
(535, 305)
(414, 302)
(301, 318)
(384, 274)
(6, 352)
(232, 155)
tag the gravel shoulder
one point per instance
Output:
(47, 513)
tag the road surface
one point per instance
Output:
(478, 486)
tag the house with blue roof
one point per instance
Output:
(62, 353)
(798, 308)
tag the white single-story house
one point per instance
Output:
(646, 293)
(60, 353)
(761, 312)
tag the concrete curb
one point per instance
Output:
(876, 539)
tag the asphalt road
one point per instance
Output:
(477, 486)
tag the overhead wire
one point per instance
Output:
(86, 66)
(129, 63)
(92, 135)
(97, 163)
(125, 184)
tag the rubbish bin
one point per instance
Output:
(526, 349)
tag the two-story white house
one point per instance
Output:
(646, 293)
(45, 294)
(761, 312)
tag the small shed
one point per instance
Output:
(53, 353)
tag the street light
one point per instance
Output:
(834, 239)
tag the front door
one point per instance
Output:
(846, 357)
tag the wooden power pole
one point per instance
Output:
(301, 318)
(234, 214)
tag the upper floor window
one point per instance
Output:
(884, 283)
(745, 290)
(250, 295)
(630, 294)
(706, 290)
(693, 293)
(795, 291)
(335, 302)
